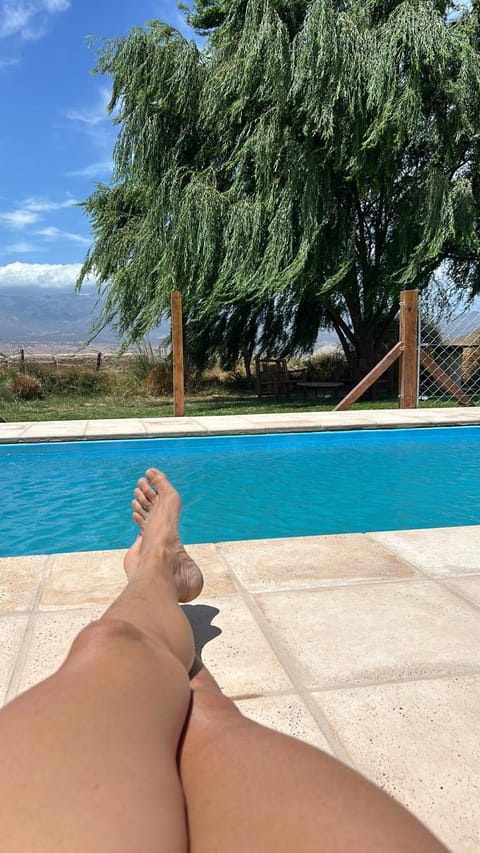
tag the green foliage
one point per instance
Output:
(6, 393)
(315, 159)
(69, 380)
(328, 366)
(207, 15)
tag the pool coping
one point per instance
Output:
(305, 421)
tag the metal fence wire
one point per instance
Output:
(449, 353)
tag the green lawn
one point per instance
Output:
(79, 407)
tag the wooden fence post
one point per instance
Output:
(177, 349)
(408, 379)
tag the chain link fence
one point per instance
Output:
(449, 350)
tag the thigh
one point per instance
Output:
(88, 756)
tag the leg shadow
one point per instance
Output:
(200, 617)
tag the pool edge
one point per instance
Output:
(124, 428)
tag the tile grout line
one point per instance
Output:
(370, 534)
(443, 584)
(354, 685)
(269, 694)
(439, 580)
(370, 582)
(19, 665)
(347, 585)
(287, 664)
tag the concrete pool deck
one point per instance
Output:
(236, 424)
(366, 645)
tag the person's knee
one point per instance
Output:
(213, 712)
(105, 635)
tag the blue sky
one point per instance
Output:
(56, 140)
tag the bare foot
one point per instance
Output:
(132, 557)
(156, 509)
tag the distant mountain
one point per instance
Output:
(35, 315)
(51, 318)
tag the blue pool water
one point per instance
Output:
(74, 496)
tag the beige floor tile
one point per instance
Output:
(173, 426)
(346, 420)
(52, 637)
(228, 424)
(467, 587)
(218, 577)
(115, 428)
(12, 629)
(438, 551)
(298, 424)
(19, 581)
(234, 648)
(285, 714)
(55, 429)
(273, 564)
(376, 632)
(393, 418)
(284, 417)
(449, 416)
(421, 742)
(82, 579)
(12, 432)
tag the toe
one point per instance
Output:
(138, 519)
(146, 490)
(142, 500)
(155, 477)
(138, 507)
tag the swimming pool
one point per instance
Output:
(75, 496)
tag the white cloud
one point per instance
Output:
(93, 170)
(39, 205)
(95, 123)
(19, 218)
(14, 18)
(53, 233)
(8, 62)
(94, 115)
(30, 211)
(27, 19)
(21, 247)
(56, 5)
(57, 276)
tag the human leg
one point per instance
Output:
(248, 788)
(88, 757)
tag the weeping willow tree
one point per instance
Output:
(311, 162)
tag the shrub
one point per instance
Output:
(26, 387)
(6, 393)
(329, 366)
(152, 370)
(70, 380)
(158, 380)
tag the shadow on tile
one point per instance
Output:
(200, 617)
